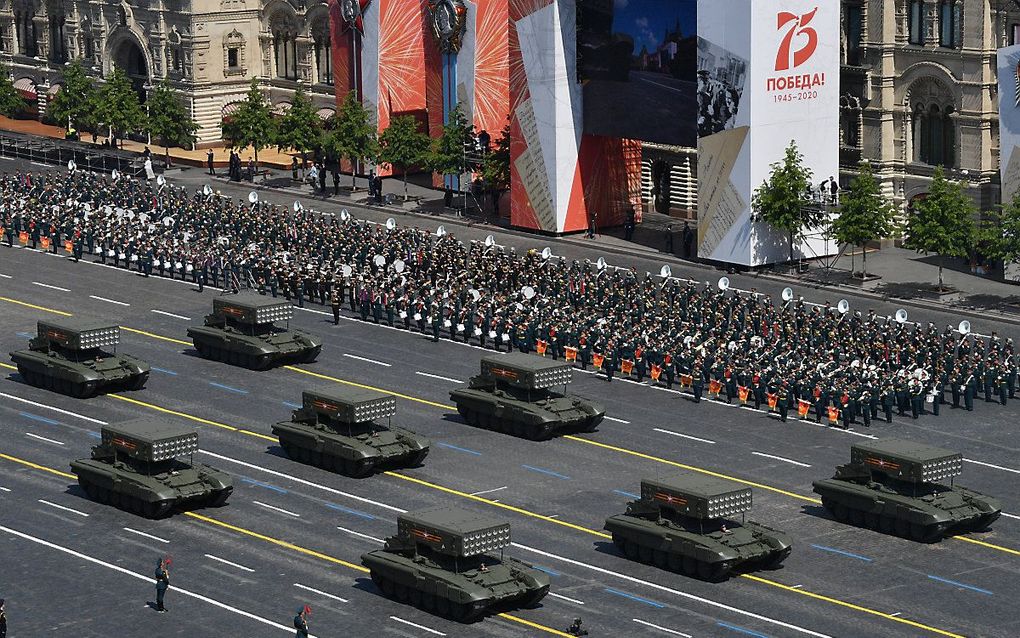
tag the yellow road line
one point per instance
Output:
(7, 365)
(156, 336)
(843, 603)
(35, 307)
(511, 508)
(442, 406)
(975, 541)
(535, 625)
(693, 468)
(191, 417)
(36, 466)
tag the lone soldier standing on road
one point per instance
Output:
(301, 623)
(3, 620)
(162, 584)
(334, 302)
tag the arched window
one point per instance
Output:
(323, 52)
(949, 22)
(58, 46)
(25, 29)
(915, 18)
(933, 125)
(284, 32)
(849, 121)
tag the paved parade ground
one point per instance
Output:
(293, 535)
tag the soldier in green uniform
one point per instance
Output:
(162, 583)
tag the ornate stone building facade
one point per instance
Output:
(208, 49)
(919, 91)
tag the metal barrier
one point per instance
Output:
(87, 157)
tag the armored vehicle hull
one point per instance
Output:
(152, 495)
(711, 556)
(358, 455)
(463, 596)
(935, 512)
(257, 352)
(81, 379)
(498, 410)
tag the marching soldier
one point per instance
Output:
(334, 302)
(301, 622)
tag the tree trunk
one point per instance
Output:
(790, 233)
(255, 148)
(405, 184)
(940, 272)
(166, 157)
(864, 256)
(853, 265)
(354, 175)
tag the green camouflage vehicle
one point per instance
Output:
(241, 331)
(71, 356)
(336, 429)
(135, 468)
(894, 486)
(440, 561)
(682, 524)
(512, 395)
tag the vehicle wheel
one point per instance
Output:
(591, 424)
(660, 559)
(201, 349)
(311, 355)
(139, 382)
(418, 459)
(630, 548)
(886, 524)
(219, 497)
(645, 554)
(871, 520)
(442, 606)
(360, 469)
(414, 597)
(388, 587)
(674, 562)
(689, 565)
(114, 498)
(428, 602)
(401, 593)
(259, 363)
(463, 412)
(88, 487)
(902, 528)
(705, 570)
(517, 429)
(376, 578)
(720, 572)
(776, 559)
(924, 533)
(458, 612)
(619, 541)
(840, 512)
(856, 517)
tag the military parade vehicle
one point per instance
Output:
(896, 487)
(136, 468)
(683, 524)
(442, 560)
(513, 394)
(79, 358)
(242, 331)
(339, 429)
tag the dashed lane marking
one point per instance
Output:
(51, 286)
(639, 599)
(277, 509)
(495, 489)
(566, 598)
(360, 535)
(430, 630)
(613, 418)
(50, 407)
(684, 436)
(672, 632)
(153, 335)
(190, 417)
(740, 630)
(4, 489)
(43, 438)
(367, 360)
(436, 376)
(997, 467)
(5, 276)
(781, 458)
(231, 563)
(140, 533)
(326, 377)
(170, 314)
(320, 592)
(61, 507)
(961, 585)
(113, 301)
(228, 388)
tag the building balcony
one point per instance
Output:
(849, 157)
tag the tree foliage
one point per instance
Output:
(999, 234)
(496, 166)
(864, 213)
(75, 105)
(300, 128)
(169, 119)
(942, 222)
(118, 105)
(783, 201)
(403, 145)
(252, 123)
(353, 134)
(11, 101)
(446, 155)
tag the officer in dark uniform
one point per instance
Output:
(575, 628)
(162, 584)
(3, 620)
(888, 400)
(301, 623)
(334, 302)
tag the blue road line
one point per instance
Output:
(341, 508)
(227, 388)
(36, 417)
(292, 405)
(544, 471)
(27, 335)
(639, 599)
(459, 449)
(265, 485)
(170, 372)
(741, 630)
(627, 494)
(95, 435)
(551, 572)
(841, 552)
(957, 584)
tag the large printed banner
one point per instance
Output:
(768, 74)
(1009, 133)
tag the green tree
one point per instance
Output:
(999, 232)
(300, 128)
(864, 215)
(942, 222)
(118, 105)
(783, 200)
(353, 134)
(446, 155)
(252, 124)
(402, 145)
(496, 168)
(11, 101)
(169, 120)
(75, 105)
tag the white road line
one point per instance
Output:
(569, 600)
(610, 418)
(304, 482)
(155, 538)
(148, 579)
(6, 276)
(61, 507)
(359, 534)
(675, 592)
(663, 629)
(1003, 513)
(320, 592)
(51, 286)
(436, 376)
(780, 458)
(997, 467)
(170, 314)
(686, 436)
(50, 407)
(366, 360)
(277, 509)
(227, 562)
(119, 303)
(43, 438)
(896, 613)
(417, 626)
(495, 489)
(4, 489)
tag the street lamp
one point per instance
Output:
(148, 135)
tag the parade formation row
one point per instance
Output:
(444, 560)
